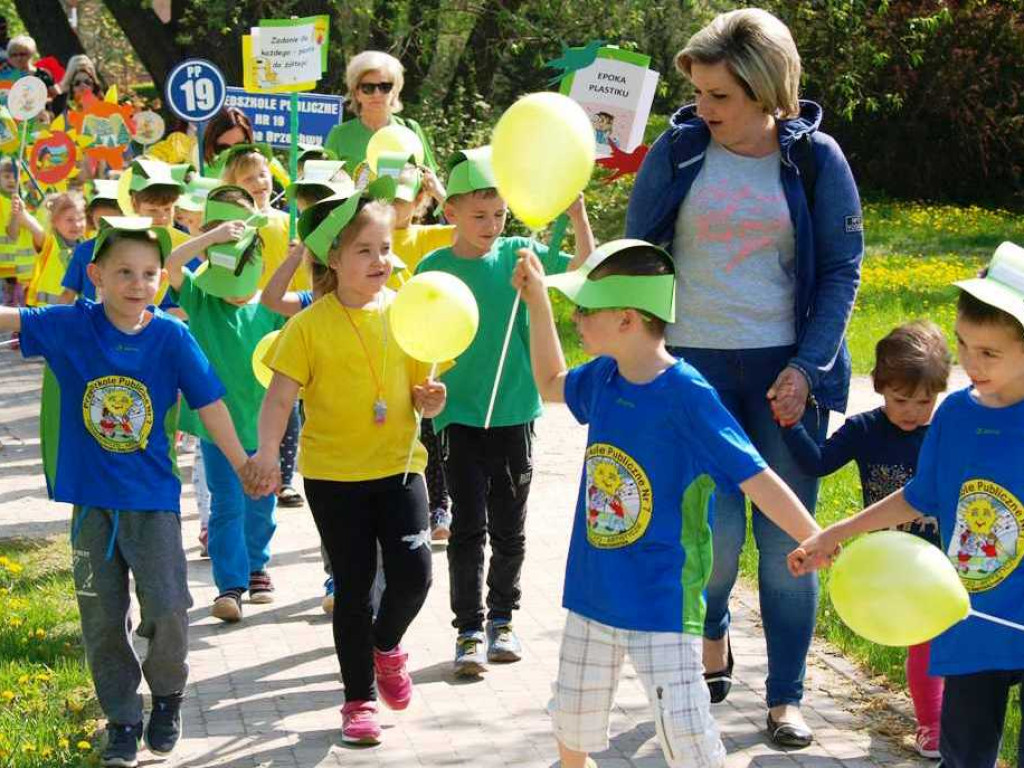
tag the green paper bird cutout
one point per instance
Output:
(573, 59)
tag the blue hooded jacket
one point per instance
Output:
(829, 240)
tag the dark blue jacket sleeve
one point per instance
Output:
(652, 181)
(839, 249)
(821, 460)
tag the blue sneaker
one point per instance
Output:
(164, 727)
(328, 602)
(122, 745)
(469, 654)
(502, 643)
(440, 524)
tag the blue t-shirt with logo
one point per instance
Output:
(640, 554)
(75, 276)
(970, 475)
(118, 403)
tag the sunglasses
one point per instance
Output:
(19, 55)
(367, 89)
(81, 82)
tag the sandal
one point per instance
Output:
(289, 497)
(789, 734)
(720, 683)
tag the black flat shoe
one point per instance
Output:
(720, 683)
(789, 734)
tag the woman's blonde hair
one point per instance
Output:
(760, 53)
(367, 61)
(76, 64)
(22, 42)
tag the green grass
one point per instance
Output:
(47, 714)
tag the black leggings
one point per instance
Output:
(290, 446)
(437, 487)
(352, 518)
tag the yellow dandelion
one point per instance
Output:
(83, 746)
(40, 633)
(63, 743)
(7, 695)
(28, 747)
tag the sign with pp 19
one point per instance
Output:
(196, 90)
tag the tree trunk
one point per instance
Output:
(480, 58)
(420, 46)
(152, 40)
(47, 23)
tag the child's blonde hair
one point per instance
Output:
(240, 164)
(56, 204)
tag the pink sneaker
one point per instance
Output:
(927, 742)
(393, 682)
(359, 723)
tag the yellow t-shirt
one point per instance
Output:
(275, 251)
(413, 243)
(46, 285)
(340, 440)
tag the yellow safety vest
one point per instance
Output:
(47, 281)
(17, 255)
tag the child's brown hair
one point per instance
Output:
(159, 194)
(913, 356)
(977, 311)
(641, 260)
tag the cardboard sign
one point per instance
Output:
(617, 91)
(288, 52)
(271, 115)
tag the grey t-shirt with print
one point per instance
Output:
(735, 256)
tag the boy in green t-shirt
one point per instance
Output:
(489, 470)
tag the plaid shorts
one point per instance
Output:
(670, 668)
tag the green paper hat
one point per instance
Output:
(228, 271)
(320, 237)
(1003, 284)
(180, 171)
(328, 175)
(147, 173)
(104, 190)
(309, 152)
(196, 192)
(110, 225)
(401, 168)
(652, 293)
(470, 170)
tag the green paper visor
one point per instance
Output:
(323, 175)
(470, 170)
(320, 238)
(196, 192)
(309, 152)
(148, 173)
(230, 271)
(395, 165)
(1003, 284)
(224, 157)
(655, 294)
(111, 225)
(103, 190)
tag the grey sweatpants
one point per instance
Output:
(149, 545)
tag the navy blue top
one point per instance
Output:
(886, 457)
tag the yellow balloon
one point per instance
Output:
(393, 138)
(434, 317)
(260, 370)
(543, 154)
(124, 193)
(893, 588)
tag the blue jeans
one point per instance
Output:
(788, 605)
(240, 528)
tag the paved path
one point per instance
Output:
(266, 692)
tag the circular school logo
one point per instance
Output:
(118, 413)
(988, 539)
(619, 498)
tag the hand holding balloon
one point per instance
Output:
(429, 397)
(528, 277)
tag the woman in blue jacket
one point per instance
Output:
(762, 216)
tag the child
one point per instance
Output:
(120, 366)
(911, 369)
(17, 254)
(353, 450)
(54, 244)
(248, 166)
(489, 471)
(659, 444)
(969, 477)
(102, 202)
(228, 321)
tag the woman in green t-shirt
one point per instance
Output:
(374, 81)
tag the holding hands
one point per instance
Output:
(261, 474)
(814, 553)
(788, 396)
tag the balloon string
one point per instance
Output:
(996, 620)
(504, 347)
(416, 432)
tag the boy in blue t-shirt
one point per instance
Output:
(659, 445)
(969, 476)
(116, 464)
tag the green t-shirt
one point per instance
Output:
(471, 380)
(228, 334)
(348, 141)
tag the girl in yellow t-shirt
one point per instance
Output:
(53, 244)
(360, 392)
